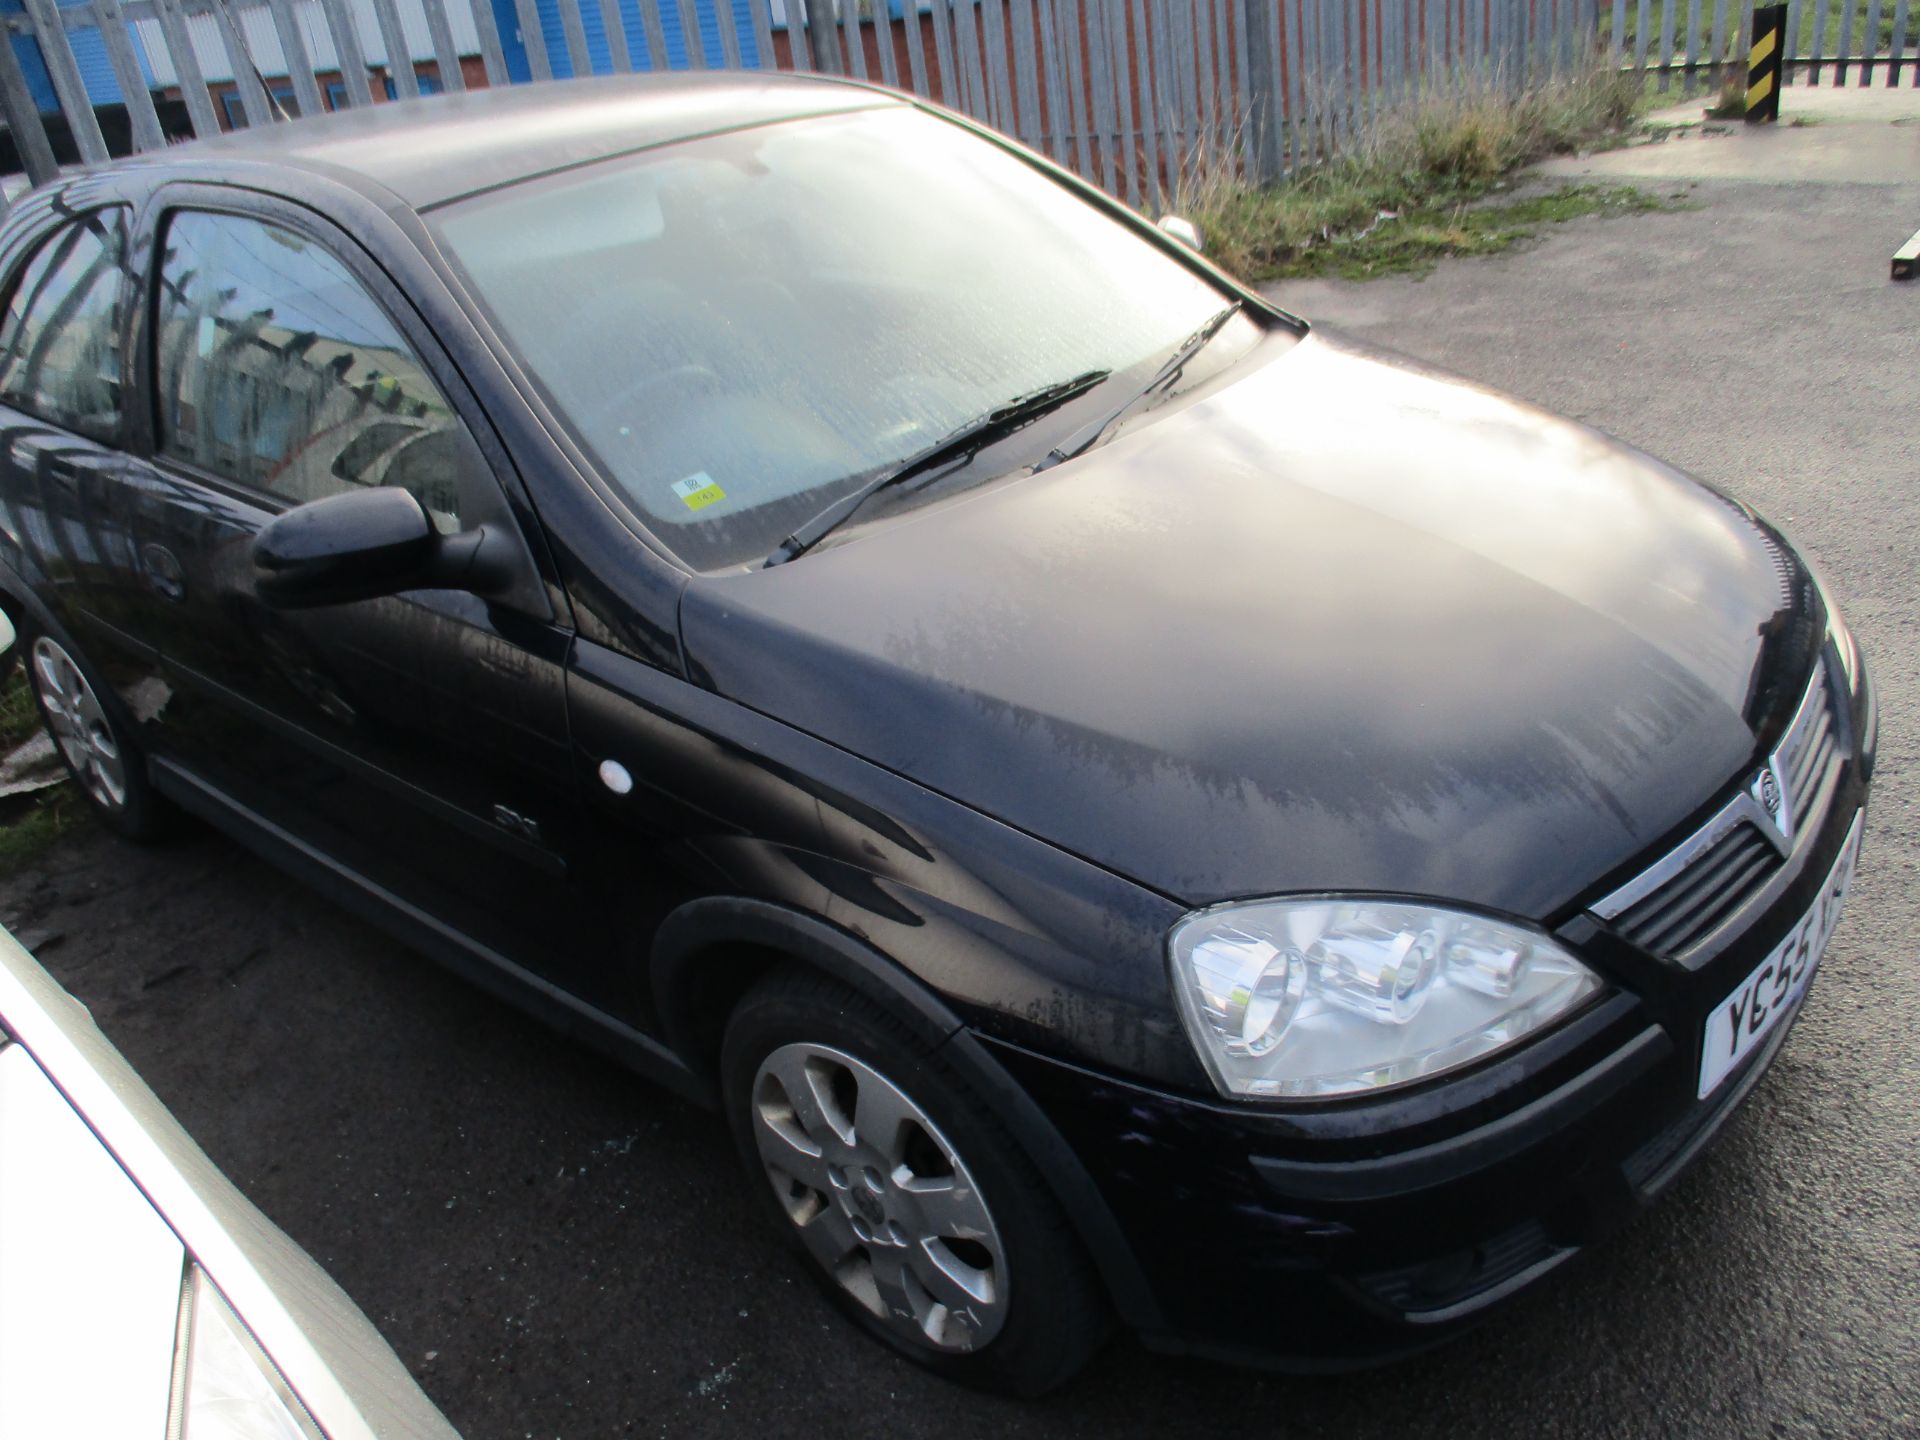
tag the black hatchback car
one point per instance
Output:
(1130, 806)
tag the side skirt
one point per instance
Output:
(413, 927)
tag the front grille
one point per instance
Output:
(1692, 905)
(1808, 753)
(1709, 878)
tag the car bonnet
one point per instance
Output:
(1342, 624)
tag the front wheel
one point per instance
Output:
(909, 1200)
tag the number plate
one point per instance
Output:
(1766, 997)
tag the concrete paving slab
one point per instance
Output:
(1869, 137)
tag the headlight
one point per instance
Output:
(1332, 997)
(224, 1387)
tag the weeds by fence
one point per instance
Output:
(1420, 186)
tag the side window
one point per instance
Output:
(60, 335)
(278, 371)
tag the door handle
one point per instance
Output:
(163, 570)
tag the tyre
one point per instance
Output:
(909, 1200)
(93, 739)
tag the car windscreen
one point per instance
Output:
(741, 327)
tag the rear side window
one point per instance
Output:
(60, 336)
(278, 371)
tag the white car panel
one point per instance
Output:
(327, 1352)
(89, 1276)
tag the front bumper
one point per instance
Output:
(1341, 1235)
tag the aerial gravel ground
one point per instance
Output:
(558, 1250)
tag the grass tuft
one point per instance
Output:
(44, 819)
(1731, 101)
(1416, 191)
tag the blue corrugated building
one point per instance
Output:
(89, 52)
(103, 87)
(598, 52)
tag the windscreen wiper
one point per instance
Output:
(1087, 436)
(956, 445)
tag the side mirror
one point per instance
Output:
(362, 545)
(1183, 230)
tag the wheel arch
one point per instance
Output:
(11, 611)
(709, 952)
(18, 597)
(22, 607)
(27, 607)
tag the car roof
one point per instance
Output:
(438, 148)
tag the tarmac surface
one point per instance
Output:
(558, 1250)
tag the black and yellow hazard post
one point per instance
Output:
(1764, 63)
(1906, 260)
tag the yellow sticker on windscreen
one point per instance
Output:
(699, 490)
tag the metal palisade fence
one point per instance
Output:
(1834, 42)
(1133, 94)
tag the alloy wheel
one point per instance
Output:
(881, 1200)
(79, 725)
